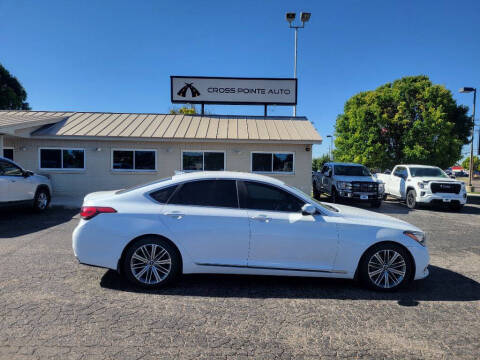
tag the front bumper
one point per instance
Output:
(421, 258)
(359, 196)
(442, 198)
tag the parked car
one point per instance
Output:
(23, 187)
(348, 182)
(239, 223)
(421, 184)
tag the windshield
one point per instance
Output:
(350, 170)
(325, 206)
(134, 187)
(427, 172)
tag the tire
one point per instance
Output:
(334, 196)
(372, 272)
(41, 200)
(146, 273)
(316, 194)
(410, 199)
(376, 204)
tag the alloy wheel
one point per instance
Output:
(387, 269)
(42, 200)
(150, 264)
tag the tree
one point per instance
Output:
(184, 110)
(408, 121)
(476, 163)
(317, 163)
(12, 93)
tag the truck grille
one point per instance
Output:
(370, 187)
(445, 188)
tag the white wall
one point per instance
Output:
(99, 176)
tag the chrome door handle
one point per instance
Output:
(263, 218)
(175, 214)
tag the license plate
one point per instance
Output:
(447, 200)
(363, 197)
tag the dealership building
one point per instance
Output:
(82, 152)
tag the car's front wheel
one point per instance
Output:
(151, 262)
(386, 267)
(41, 200)
(412, 199)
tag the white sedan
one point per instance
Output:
(240, 223)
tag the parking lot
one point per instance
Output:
(52, 307)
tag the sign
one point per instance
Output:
(233, 91)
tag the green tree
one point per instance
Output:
(12, 93)
(317, 163)
(476, 163)
(186, 110)
(408, 121)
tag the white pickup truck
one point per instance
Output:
(422, 184)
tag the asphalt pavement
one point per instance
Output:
(52, 307)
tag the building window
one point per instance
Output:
(60, 159)
(134, 160)
(273, 162)
(8, 153)
(203, 160)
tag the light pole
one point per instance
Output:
(304, 17)
(470, 173)
(330, 155)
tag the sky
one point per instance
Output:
(117, 56)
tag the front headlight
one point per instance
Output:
(342, 185)
(418, 236)
(381, 187)
(421, 185)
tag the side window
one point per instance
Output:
(164, 194)
(9, 169)
(266, 197)
(324, 169)
(398, 172)
(213, 193)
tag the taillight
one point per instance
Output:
(88, 212)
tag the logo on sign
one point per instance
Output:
(188, 86)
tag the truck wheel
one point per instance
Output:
(316, 194)
(334, 196)
(411, 202)
(376, 203)
(457, 207)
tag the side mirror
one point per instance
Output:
(27, 173)
(309, 209)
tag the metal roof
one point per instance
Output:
(163, 126)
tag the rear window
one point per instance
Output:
(134, 187)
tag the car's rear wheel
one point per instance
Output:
(151, 262)
(41, 199)
(386, 267)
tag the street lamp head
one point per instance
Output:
(467, 89)
(305, 16)
(290, 16)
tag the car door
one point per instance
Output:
(281, 236)
(395, 181)
(17, 187)
(205, 217)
